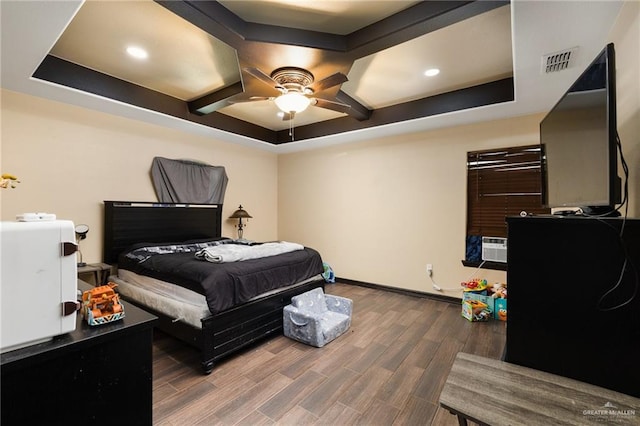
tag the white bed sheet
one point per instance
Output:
(177, 302)
(180, 310)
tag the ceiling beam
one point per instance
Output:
(357, 110)
(65, 73)
(216, 100)
(418, 20)
(485, 94)
(221, 23)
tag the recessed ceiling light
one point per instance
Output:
(137, 52)
(431, 72)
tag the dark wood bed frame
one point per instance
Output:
(127, 223)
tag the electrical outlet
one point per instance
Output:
(429, 269)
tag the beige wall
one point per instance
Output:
(379, 211)
(70, 159)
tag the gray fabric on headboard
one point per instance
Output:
(188, 181)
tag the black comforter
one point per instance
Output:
(223, 284)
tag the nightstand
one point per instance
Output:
(100, 272)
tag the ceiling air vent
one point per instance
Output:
(558, 61)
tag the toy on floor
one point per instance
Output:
(501, 314)
(475, 310)
(498, 290)
(475, 285)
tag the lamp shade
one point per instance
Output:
(240, 214)
(292, 102)
(81, 231)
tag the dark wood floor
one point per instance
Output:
(388, 369)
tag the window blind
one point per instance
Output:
(500, 183)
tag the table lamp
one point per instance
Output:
(81, 234)
(240, 214)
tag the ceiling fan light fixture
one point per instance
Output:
(292, 102)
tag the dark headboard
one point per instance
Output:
(130, 222)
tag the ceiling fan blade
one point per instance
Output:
(257, 73)
(251, 99)
(332, 105)
(329, 82)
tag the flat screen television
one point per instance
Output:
(579, 143)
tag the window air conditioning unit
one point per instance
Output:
(494, 249)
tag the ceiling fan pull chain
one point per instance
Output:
(291, 127)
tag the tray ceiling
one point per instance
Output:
(198, 53)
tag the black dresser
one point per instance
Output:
(572, 310)
(99, 375)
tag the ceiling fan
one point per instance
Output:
(296, 87)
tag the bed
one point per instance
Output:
(221, 308)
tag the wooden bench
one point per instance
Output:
(493, 392)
